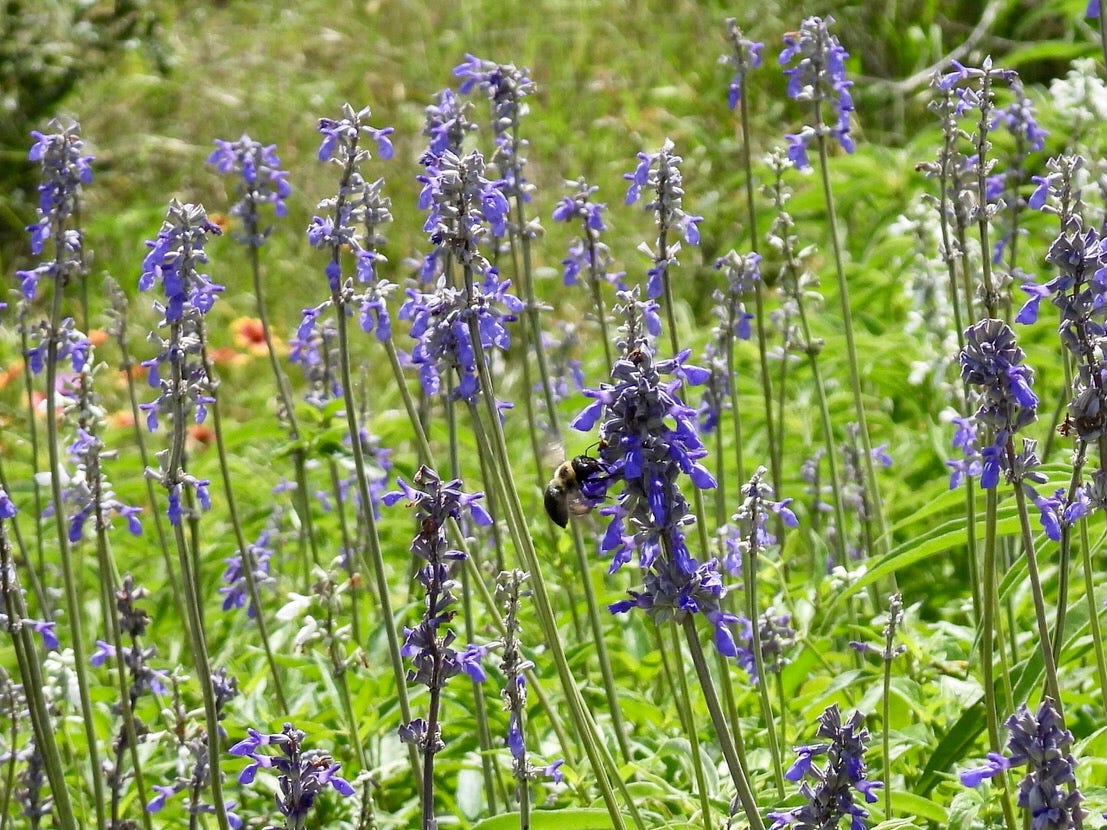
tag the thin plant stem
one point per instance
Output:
(688, 723)
(987, 645)
(32, 426)
(287, 408)
(109, 580)
(249, 563)
(753, 612)
(851, 347)
(126, 366)
(1064, 557)
(37, 589)
(484, 735)
(775, 447)
(1093, 610)
(65, 555)
(30, 672)
(369, 522)
(599, 641)
(735, 762)
(458, 539)
(190, 577)
(525, 548)
(1045, 640)
(886, 737)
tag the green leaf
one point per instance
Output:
(919, 807)
(580, 819)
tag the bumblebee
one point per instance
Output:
(563, 496)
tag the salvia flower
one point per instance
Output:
(818, 78)
(64, 170)
(174, 263)
(447, 122)
(236, 590)
(349, 220)
(745, 55)
(1040, 742)
(743, 281)
(463, 207)
(507, 87)
(69, 344)
(659, 173)
(828, 788)
(429, 645)
(260, 181)
(775, 635)
(648, 441)
(509, 592)
(301, 773)
(445, 353)
(992, 362)
(588, 255)
(192, 756)
(889, 651)
(314, 348)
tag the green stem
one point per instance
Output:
(987, 645)
(369, 522)
(288, 410)
(249, 563)
(753, 612)
(851, 348)
(886, 738)
(30, 673)
(734, 761)
(484, 735)
(775, 447)
(1064, 558)
(525, 547)
(1044, 638)
(688, 724)
(72, 594)
(126, 366)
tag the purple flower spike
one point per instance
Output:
(818, 76)
(301, 774)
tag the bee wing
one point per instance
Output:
(579, 504)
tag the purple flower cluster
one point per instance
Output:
(88, 491)
(745, 55)
(460, 201)
(174, 262)
(743, 281)
(828, 791)
(64, 170)
(70, 344)
(314, 348)
(260, 181)
(236, 590)
(447, 122)
(818, 79)
(133, 621)
(429, 645)
(648, 440)
(358, 204)
(660, 173)
(301, 774)
(587, 254)
(514, 665)
(440, 324)
(775, 634)
(506, 87)
(992, 362)
(1048, 792)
